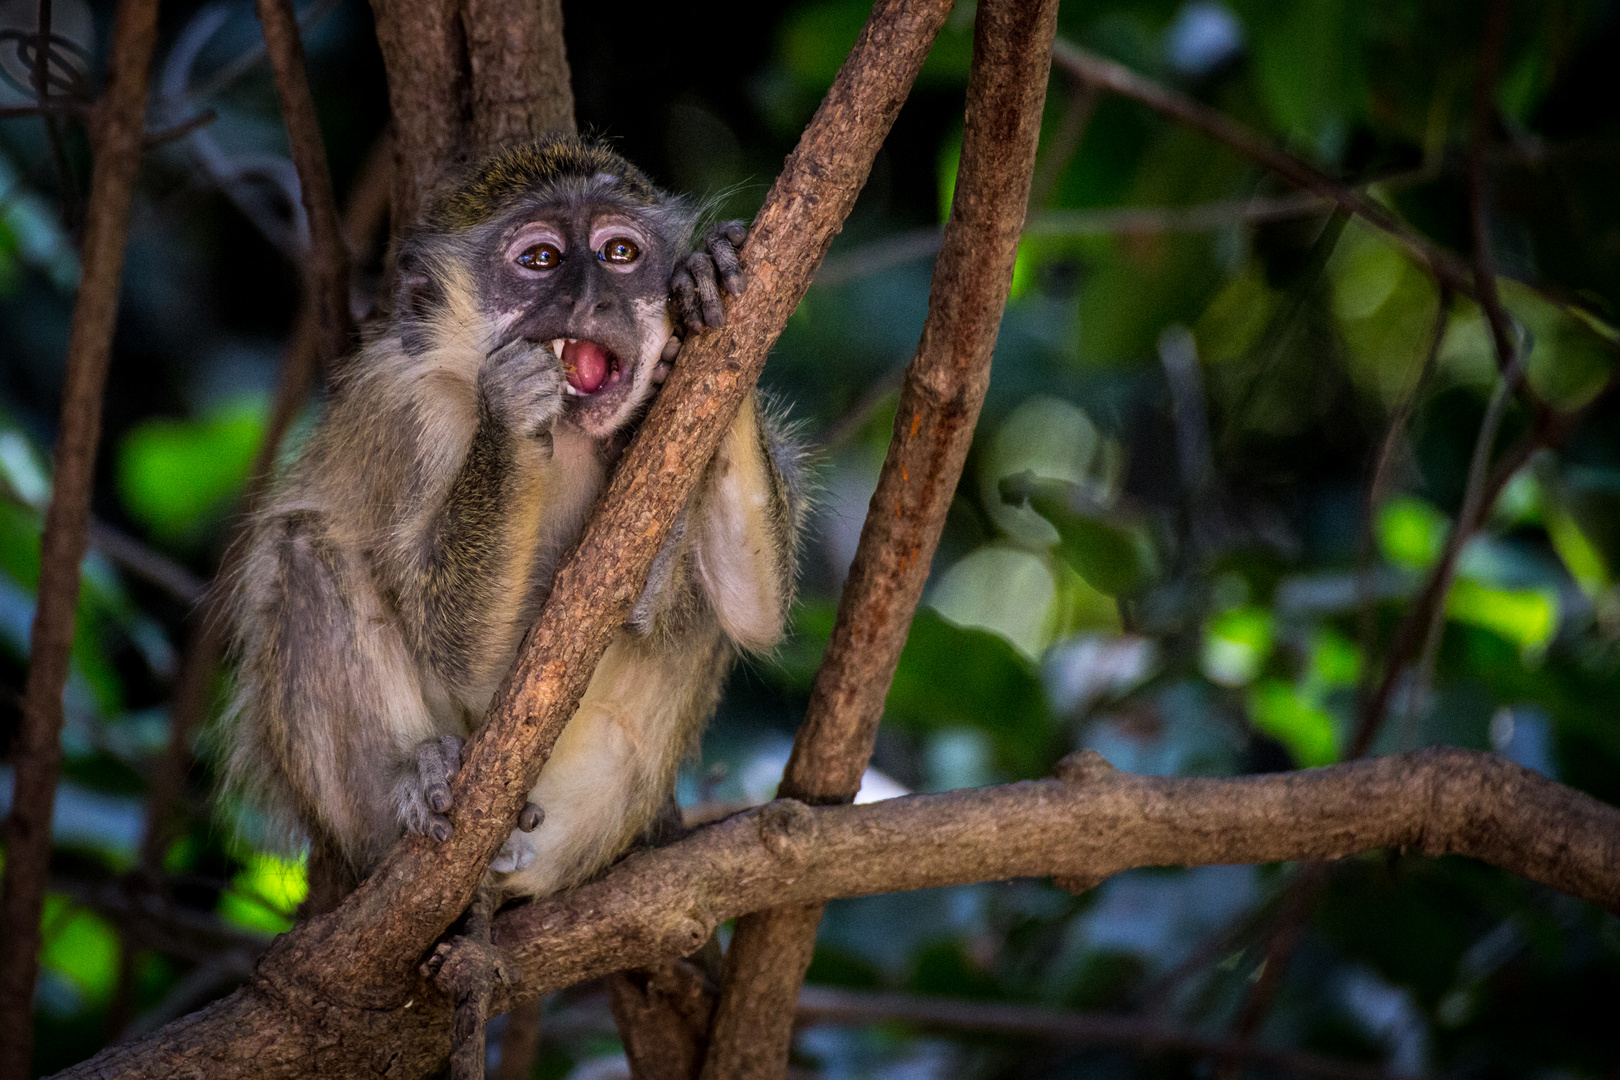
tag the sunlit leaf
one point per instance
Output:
(1282, 711)
(1236, 645)
(175, 476)
(1527, 617)
(80, 945)
(1411, 533)
(266, 892)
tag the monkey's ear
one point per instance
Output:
(416, 294)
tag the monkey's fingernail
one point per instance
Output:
(735, 283)
(530, 817)
(439, 829)
(438, 798)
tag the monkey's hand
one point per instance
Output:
(521, 384)
(697, 283)
(424, 790)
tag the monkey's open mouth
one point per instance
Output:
(588, 365)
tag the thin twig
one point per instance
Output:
(1509, 358)
(326, 269)
(825, 1005)
(143, 562)
(940, 398)
(36, 749)
(1377, 484)
(1444, 265)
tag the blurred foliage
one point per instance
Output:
(1161, 549)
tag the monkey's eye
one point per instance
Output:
(621, 250)
(539, 257)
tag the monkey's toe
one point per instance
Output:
(530, 817)
(516, 854)
(438, 827)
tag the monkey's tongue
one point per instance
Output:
(586, 364)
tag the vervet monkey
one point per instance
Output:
(395, 565)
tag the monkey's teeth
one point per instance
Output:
(557, 347)
(568, 388)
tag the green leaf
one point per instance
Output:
(1114, 555)
(1526, 617)
(267, 893)
(952, 676)
(1411, 533)
(1287, 714)
(177, 476)
(80, 945)
(1237, 644)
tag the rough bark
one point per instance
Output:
(117, 135)
(465, 77)
(664, 902)
(940, 398)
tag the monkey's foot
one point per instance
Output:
(423, 790)
(518, 852)
(697, 283)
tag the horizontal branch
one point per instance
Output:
(1095, 824)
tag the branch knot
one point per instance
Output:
(1084, 767)
(788, 828)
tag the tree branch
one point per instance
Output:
(664, 902)
(939, 405)
(466, 77)
(326, 264)
(36, 752)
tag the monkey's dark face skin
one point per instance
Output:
(589, 279)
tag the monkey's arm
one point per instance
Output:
(462, 569)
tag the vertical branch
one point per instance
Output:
(939, 404)
(520, 1044)
(326, 263)
(37, 755)
(466, 77)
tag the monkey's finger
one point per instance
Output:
(434, 773)
(672, 349)
(725, 261)
(702, 269)
(736, 232)
(450, 747)
(438, 827)
(530, 817)
(687, 305)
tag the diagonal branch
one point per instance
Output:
(1444, 265)
(36, 751)
(939, 405)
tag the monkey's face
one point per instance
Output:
(589, 277)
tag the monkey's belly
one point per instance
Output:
(615, 763)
